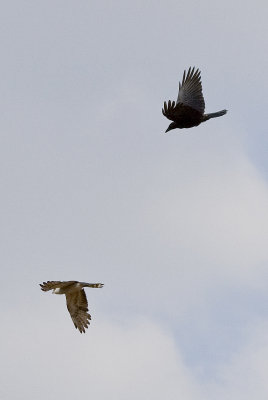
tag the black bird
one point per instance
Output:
(188, 111)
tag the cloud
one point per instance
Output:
(115, 360)
(188, 223)
(119, 359)
(244, 376)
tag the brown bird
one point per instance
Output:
(76, 299)
(188, 111)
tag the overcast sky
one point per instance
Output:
(175, 225)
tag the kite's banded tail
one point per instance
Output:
(93, 285)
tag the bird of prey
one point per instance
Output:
(188, 111)
(76, 299)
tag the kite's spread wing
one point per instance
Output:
(78, 309)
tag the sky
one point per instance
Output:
(175, 225)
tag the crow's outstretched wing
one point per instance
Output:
(169, 110)
(190, 90)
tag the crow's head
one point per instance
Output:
(173, 125)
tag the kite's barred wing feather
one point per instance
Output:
(78, 309)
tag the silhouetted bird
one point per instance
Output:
(189, 109)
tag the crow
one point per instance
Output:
(188, 111)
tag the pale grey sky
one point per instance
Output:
(175, 225)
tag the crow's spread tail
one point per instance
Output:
(214, 115)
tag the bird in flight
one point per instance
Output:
(188, 111)
(76, 299)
